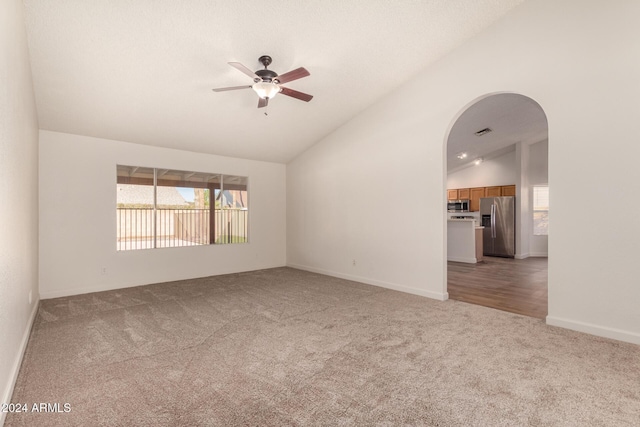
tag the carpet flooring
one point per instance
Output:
(284, 347)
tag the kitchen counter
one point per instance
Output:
(462, 241)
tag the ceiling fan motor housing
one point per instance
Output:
(266, 75)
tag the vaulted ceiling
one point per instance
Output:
(142, 71)
(511, 118)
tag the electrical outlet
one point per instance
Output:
(354, 262)
(103, 271)
(30, 296)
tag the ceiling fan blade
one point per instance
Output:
(244, 69)
(295, 94)
(296, 74)
(263, 102)
(222, 89)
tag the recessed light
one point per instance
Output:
(462, 156)
(477, 161)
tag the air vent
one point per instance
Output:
(483, 131)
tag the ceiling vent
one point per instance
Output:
(483, 131)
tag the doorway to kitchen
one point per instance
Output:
(496, 157)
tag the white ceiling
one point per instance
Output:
(142, 71)
(511, 117)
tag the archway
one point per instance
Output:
(497, 146)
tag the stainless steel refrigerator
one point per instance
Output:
(498, 216)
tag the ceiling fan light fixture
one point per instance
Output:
(266, 90)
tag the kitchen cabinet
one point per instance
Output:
(475, 194)
(508, 190)
(461, 244)
(502, 190)
(458, 194)
(493, 191)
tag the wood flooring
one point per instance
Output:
(514, 285)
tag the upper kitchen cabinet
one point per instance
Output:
(493, 192)
(475, 194)
(458, 194)
(508, 190)
(463, 193)
(501, 190)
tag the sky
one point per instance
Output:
(187, 193)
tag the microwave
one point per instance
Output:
(458, 206)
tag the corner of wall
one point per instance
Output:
(382, 284)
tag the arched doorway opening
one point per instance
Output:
(497, 230)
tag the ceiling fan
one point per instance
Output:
(267, 83)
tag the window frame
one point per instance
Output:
(536, 229)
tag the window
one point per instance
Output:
(541, 210)
(162, 208)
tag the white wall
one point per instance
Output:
(499, 170)
(18, 195)
(539, 163)
(78, 217)
(340, 192)
(359, 195)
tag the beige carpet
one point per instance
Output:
(283, 347)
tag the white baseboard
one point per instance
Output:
(589, 328)
(466, 260)
(85, 290)
(429, 294)
(15, 369)
(45, 294)
(532, 255)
